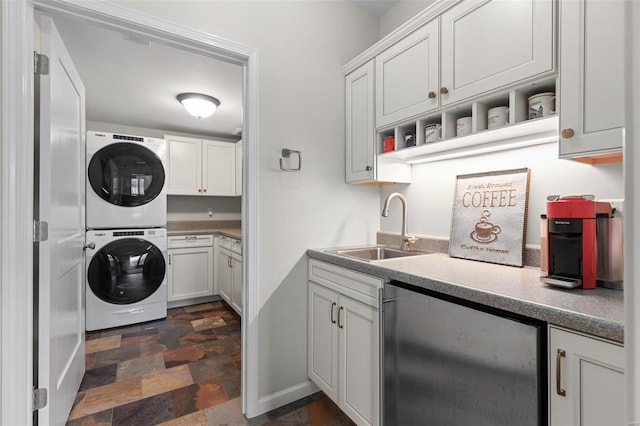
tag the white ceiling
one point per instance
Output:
(132, 81)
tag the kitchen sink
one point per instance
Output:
(376, 253)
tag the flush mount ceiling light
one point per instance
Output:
(198, 105)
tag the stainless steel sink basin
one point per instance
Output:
(376, 253)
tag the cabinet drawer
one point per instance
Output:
(190, 241)
(361, 287)
(236, 246)
(224, 242)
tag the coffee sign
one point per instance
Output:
(490, 216)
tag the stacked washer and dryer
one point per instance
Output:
(126, 207)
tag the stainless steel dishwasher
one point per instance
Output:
(450, 363)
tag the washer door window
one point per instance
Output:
(126, 271)
(126, 174)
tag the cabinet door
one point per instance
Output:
(360, 138)
(236, 284)
(358, 361)
(590, 372)
(223, 275)
(184, 166)
(190, 273)
(487, 44)
(323, 339)
(592, 86)
(219, 168)
(406, 73)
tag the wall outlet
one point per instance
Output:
(210, 212)
(618, 204)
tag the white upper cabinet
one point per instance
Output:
(200, 167)
(218, 168)
(487, 44)
(184, 161)
(360, 137)
(592, 87)
(407, 76)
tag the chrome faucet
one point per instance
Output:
(406, 238)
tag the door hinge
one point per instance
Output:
(40, 64)
(40, 231)
(39, 398)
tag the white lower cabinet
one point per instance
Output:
(229, 271)
(586, 380)
(190, 267)
(344, 339)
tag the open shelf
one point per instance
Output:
(525, 133)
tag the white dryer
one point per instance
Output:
(125, 181)
(126, 277)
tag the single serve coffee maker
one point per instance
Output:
(573, 231)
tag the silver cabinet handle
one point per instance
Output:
(90, 245)
(340, 325)
(169, 259)
(333, 305)
(561, 354)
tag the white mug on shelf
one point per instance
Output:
(497, 117)
(542, 105)
(463, 126)
(432, 132)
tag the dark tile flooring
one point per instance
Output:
(183, 370)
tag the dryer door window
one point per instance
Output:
(126, 271)
(126, 174)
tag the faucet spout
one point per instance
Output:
(406, 238)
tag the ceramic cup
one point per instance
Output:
(463, 126)
(486, 229)
(542, 105)
(497, 117)
(432, 132)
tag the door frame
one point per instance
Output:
(17, 178)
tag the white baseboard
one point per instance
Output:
(285, 396)
(194, 301)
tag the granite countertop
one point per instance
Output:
(598, 312)
(229, 228)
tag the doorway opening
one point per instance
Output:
(143, 29)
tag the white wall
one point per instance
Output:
(302, 47)
(401, 13)
(430, 195)
(180, 207)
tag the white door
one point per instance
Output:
(360, 102)
(323, 339)
(487, 44)
(236, 283)
(407, 76)
(218, 168)
(61, 313)
(184, 166)
(358, 361)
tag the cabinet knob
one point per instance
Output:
(432, 94)
(568, 133)
(368, 168)
(444, 90)
(199, 190)
(204, 190)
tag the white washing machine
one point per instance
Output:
(125, 181)
(126, 277)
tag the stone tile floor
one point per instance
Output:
(183, 370)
